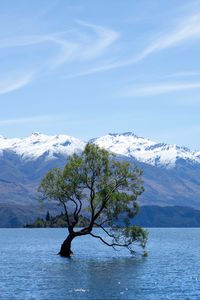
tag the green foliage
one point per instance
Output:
(106, 188)
(39, 223)
(58, 221)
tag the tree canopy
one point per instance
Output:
(104, 189)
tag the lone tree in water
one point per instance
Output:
(104, 189)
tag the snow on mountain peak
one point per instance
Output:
(125, 144)
(38, 144)
(144, 150)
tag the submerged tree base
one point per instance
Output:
(67, 254)
(65, 249)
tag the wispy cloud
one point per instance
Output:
(185, 31)
(10, 85)
(83, 43)
(105, 38)
(86, 47)
(32, 119)
(97, 69)
(22, 41)
(158, 89)
(87, 42)
(183, 74)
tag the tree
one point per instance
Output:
(106, 189)
(47, 218)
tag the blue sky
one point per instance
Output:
(86, 68)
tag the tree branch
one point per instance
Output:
(67, 216)
(108, 244)
(106, 200)
(77, 209)
(100, 226)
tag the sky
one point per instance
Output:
(88, 68)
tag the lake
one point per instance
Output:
(30, 268)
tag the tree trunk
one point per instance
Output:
(65, 249)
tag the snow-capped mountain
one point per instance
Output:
(36, 145)
(126, 144)
(145, 150)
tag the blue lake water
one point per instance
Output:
(30, 268)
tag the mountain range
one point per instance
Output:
(171, 172)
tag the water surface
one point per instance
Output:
(30, 268)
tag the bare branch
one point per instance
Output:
(106, 231)
(67, 216)
(92, 195)
(112, 244)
